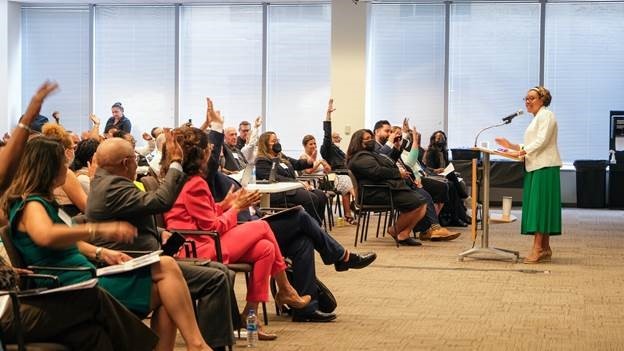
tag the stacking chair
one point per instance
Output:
(364, 209)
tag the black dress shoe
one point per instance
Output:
(409, 242)
(356, 261)
(316, 316)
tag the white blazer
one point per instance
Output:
(540, 141)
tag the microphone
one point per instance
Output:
(508, 119)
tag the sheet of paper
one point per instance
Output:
(450, 168)
(134, 263)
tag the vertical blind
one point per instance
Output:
(135, 64)
(584, 69)
(406, 65)
(55, 45)
(221, 58)
(493, 61)
(298, 74)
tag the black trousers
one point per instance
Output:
(313, 201)
(88, 319)
(217, 312)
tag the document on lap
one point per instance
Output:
(130, 265)
(450, 168)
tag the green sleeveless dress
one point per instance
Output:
(132, 289)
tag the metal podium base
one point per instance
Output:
(500, 253)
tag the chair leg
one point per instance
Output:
(357, 229)
(264, 313)
(364, 234)
(379, 223)
(385, 226)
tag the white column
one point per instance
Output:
(348, 67)
(10, 65)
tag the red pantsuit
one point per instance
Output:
(250, 242)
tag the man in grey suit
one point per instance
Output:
(113, 195)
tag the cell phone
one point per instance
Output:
(173, 244)
(397, 139)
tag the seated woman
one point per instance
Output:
(319, 166)
(372, 168)
(42, 238)
(436, 159)
(70, 195)
(251, 242)
(85, 149)
(269, 151)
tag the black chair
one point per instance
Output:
(364, 209)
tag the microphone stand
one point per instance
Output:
(490, 127)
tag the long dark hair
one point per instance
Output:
(355, 145)
(84, 153)
(37, 170)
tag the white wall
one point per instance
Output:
(10, 64)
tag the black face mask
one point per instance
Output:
(277, 148)
(369, 145)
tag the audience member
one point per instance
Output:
(270, 157)
(43, 238)
(253, 242)
(114, 196)
(85, 150)
(234, 159)
(244, 129)
(118, 120)
(372, 168)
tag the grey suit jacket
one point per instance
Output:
(114, 197)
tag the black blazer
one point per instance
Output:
(329, 151)
(371, 168)
(264, 164)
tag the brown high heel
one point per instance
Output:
(297, 302)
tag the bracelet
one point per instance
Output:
(91, 230)
(98, 254)
(25, 127)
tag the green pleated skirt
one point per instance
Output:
(541, 202)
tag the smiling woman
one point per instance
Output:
(541, 205)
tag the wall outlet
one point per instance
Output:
(347, 129)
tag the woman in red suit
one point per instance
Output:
(250, 242)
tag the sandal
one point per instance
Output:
(351, 220)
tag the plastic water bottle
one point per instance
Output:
(252, 329)
(253, 176)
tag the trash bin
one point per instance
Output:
(616, 185)
(591, 183)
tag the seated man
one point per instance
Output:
(234, 159)
(113, 196)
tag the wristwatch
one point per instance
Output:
(98, 254)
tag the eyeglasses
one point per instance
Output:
(244, 130)
(530, 98)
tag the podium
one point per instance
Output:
(484, 248)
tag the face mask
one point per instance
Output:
(369, 145)
(277, 148)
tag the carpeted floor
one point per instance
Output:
(423, 298)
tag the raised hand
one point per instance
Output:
(146, 136)
(258, 122)
(34, 107)
(405, 125)
(211, 114)
(94, 119)
(57, 117)
(415, 136)
(330, 109)
(174, 150)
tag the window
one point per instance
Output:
(584, 69)
(493, 61)
(406, 65)
(221, 58)
(55, 45)
(135, 64)
(298, 87)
